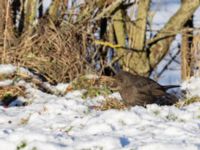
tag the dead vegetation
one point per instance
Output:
(11, 91)
(187, 101)
(94, 85)
(57, 49)
(8, 94)
(54, 52)
(110, 103)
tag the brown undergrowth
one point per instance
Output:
(56, 52)
(57, 43)
(10, 93)
(111, 103)
(94, 85)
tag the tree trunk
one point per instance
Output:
(195, 56)
(138, 35)
(119, 29)
(2, 18)
(163, 39)
(135, 62)
(186, 46)
(30, 11)
(143, 62)
(7, 37)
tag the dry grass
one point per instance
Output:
(111, 103)
(11, 91)
(187, 101)
(55, 52)
(94, 85)
(56, 49)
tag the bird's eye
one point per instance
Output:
(121, 80)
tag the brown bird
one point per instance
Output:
(138, 90)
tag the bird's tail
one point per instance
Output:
(167, 99)
(167, 87)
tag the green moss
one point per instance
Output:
(93, 87)
(21, 145)
(172, 117)
(34, 148)
(156, 112)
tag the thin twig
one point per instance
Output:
(109, 10)
(167, 65)
(5, 44)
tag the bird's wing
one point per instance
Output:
(142, 81)
(146, 96)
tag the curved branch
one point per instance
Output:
(176, 23)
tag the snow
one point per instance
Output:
(191, 87)
(69, 122)
(7, 69)
(6, 82)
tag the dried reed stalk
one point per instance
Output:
(56, 52)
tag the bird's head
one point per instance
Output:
(123, 78)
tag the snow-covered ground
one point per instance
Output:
(69, 122)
